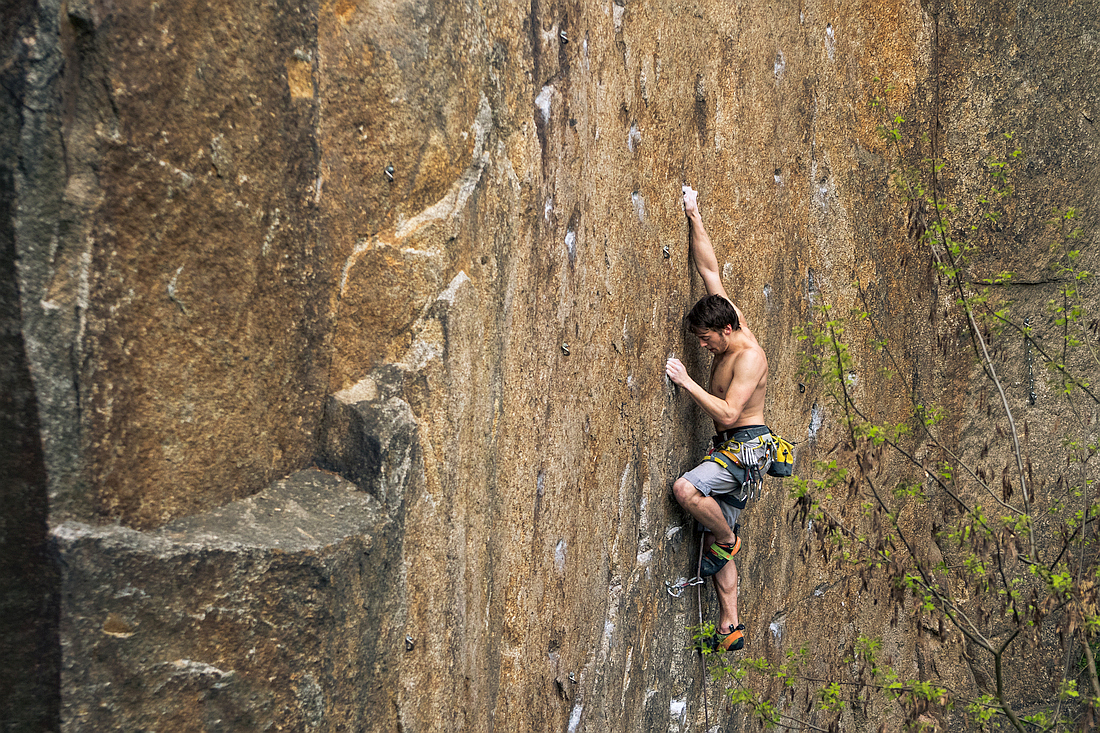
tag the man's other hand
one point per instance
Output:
(675, 370)
(691, 201)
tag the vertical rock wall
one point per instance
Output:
(436, 251)
(29, 633)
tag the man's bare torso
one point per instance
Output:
(721, 375)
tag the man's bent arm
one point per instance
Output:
(748, 370)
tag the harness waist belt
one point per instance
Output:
(741, 433)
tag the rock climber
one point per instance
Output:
(716, 491)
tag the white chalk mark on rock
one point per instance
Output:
(614, 599)
(186, 179)
(817, 418)
(677, 710)
(191, 668)
(543, 100)
(269, 237)
(448, 294)
(575, 718)
(172, 290)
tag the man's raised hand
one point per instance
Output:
(691, 200)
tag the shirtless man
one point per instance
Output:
(735, 401)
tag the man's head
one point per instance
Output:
(712, 313)
(713, 320)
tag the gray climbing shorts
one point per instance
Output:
(712, 480)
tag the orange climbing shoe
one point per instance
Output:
(717, 555)
(733, 641)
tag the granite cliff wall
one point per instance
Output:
(335, 337)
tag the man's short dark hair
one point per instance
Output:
(712, 313)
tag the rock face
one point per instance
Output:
(335, 333)
(280, 589)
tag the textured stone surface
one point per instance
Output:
(29, 644)
(168, 172)
(370, 436)
(219, 284)
(264, 614)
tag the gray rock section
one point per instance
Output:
(265, 614)
(29, 601)
(369, 436)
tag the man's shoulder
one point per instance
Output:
(751, 354)
(750, 363)
(743, 362)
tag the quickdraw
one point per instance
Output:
(677, 589)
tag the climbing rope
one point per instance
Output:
(676, 590)
(702, 657)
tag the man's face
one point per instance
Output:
(715, 342)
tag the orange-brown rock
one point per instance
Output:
(262, 252)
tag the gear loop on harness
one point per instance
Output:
(755, 455)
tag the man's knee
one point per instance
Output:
(684, 491)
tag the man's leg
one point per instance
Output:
(705, 510)
(725, 585)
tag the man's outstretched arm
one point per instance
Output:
(703, 251)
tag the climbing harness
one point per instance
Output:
(754, 456)
(760, 454)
